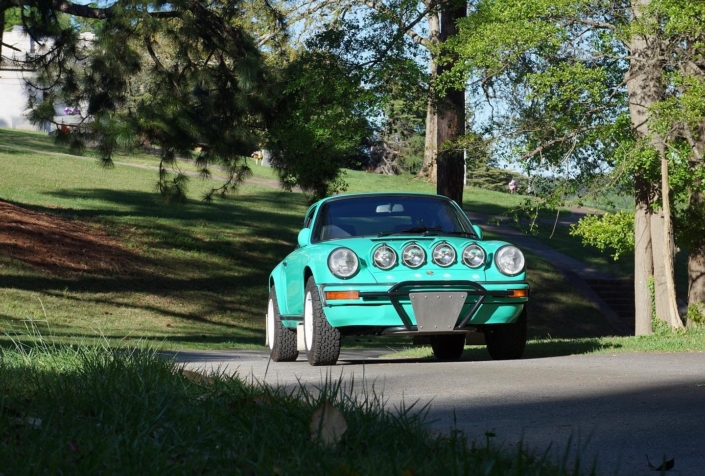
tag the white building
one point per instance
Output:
(13, 86)
(13, 94)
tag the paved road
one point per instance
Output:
(621, 407)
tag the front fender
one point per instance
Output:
(276, 279)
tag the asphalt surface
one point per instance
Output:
(618, 408)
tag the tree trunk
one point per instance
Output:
(643, 261)
(645, 88)
(695, 216)
(664, 290)
(428, 168)
(696, 246)
(450, 162)
(696, 277)
(668, 251)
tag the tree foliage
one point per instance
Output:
(399, 142)
(183, 78)
(319, 122)
(611, 231)
(599, 89)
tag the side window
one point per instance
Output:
(309, 217)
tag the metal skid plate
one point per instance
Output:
(437, 311)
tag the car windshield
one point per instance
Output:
(387, 215)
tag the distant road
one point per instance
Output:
(619, 407)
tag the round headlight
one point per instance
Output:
(343, 262)
(509, 260)
(443, 254)
(413, 256)
(384, 257)
(474, 256)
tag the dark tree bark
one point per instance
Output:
(695, 223)
(450, 126)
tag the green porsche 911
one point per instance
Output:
(396, 263)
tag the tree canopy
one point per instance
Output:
(601, 90)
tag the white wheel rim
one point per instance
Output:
(308, 321)
(270, 324)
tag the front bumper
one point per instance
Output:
(390, 307)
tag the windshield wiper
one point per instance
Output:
(434, 230)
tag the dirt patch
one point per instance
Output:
(59, 245)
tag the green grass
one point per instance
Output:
(691, 340)
(197, 274)
(114, 411)
(199, 271)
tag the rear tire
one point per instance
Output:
(507, 341)
(448, 347)
(282, 340)
(322, 340)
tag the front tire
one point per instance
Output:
(322, 340)
(281, 340)
(507, 341)
(448, 347)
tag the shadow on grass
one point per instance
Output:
(534, 350)
(29, 140)
(218, 254)
(11, 340)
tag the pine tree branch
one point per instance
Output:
(83, 11)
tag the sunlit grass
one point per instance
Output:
(202, 274)
(201, 279)
(692, 340)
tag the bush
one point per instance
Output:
(611, 230)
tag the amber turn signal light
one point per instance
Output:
(332, 295)
(517, 293)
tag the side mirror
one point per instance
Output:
(478, 231)
(304, 237)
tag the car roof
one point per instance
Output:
(381, 194)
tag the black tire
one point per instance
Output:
(282, 340)
(322, 339)
(507, 341)
(448, 347)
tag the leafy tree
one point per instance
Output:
(11, 19)
(387, 39)
(318, 122)
(588, 87)
(399, 144)
(178, 77)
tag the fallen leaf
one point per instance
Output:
(328, 424)
(197, 377)
(668, 465)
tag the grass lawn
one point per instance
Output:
(192, 276)
(107, 411)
